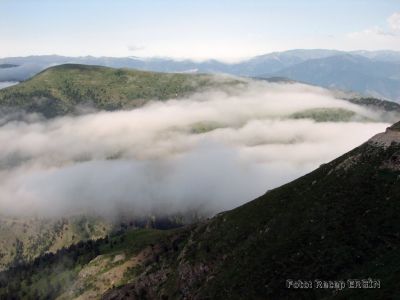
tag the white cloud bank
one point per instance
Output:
(208, 153)
(377, 38)
(394, 21)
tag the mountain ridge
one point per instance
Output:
(261, 65)
(348, 72)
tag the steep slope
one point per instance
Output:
(59, 90)
(339, 222)
(336, 223)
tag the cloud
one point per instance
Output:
(376, 37)
(210, 152)
(394, 22)
(374, 31)
(4, 84)
(135, 48)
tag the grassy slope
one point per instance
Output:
(324, 225)
(82, 269)
(58, 90)
(23, 239)
(338, 222)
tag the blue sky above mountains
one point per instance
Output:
(222, 29)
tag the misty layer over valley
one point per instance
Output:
(206, 153)
(4, 84)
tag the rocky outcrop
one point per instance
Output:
(385, 139)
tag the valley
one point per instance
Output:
(313, 227)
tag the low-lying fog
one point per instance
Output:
(4, 84)
(210, 152)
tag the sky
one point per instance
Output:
(228, 30)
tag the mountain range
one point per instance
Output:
(73, 88)
(370, 73)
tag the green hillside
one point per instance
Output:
(339, 222)
(325, 115)
(62, 89)
(24, 239)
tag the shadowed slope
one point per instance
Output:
(336, 223)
